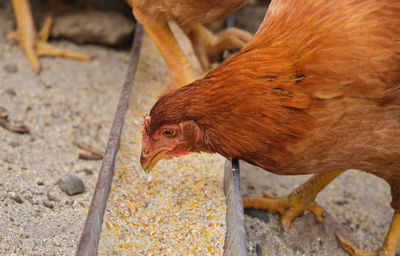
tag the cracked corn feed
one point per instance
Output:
(177, 209)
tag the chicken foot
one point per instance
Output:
(180, 71)
(34, 44)
(209, 48)
(297, 202)
(389, 245)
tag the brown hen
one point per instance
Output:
(317, 90)
(189, 15)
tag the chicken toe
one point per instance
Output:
(209, 47)
(296, 203)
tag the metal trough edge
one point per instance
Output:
(235, 239)
(90, 237)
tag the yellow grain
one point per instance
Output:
(179, 208)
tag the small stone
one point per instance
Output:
(92, 26)
(48, 204)
(40, 183)
(10, 92)
(16, 197)
(52, 196)
(259, 250)
(11, 69)
(71, 184)
(14, 144)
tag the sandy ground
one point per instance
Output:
(78, 99)
(68, 99)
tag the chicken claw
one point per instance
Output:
(34, 44)
(389, 246)
(297, 202)
(209, 47)
(290, 207)
(351, 249)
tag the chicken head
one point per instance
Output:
(168, 141)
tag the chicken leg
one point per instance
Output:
(180, 71)
(209, 48)
(35, 45)
(297, 202)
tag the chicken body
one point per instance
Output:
(189, 15)
(187, 12)
(317, 90)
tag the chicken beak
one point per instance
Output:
(148, 161)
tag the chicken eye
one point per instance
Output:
(168, 132)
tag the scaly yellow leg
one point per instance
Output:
(180, 71)
(389, 246)
(296, 203)
(44, 33)
(29, 41)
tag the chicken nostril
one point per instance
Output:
(146, 151)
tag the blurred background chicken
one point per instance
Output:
(190, 15)
(315, 91)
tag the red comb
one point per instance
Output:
(146, 124)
